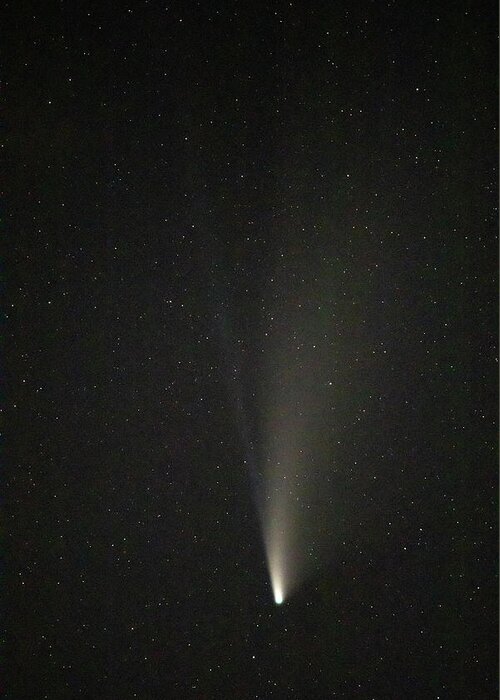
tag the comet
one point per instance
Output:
(286, 437)
(296, 439)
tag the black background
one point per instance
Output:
(166, 161)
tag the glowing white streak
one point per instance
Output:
(275, 528)
(277, 586)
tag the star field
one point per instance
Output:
(251, 317)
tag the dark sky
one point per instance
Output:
(186, 181)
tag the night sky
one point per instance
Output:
(251, 325)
